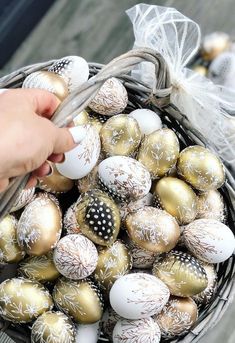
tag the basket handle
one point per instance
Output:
(80, 99)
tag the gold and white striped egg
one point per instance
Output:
(124, 178)
(211, 205)
(70, 221)
(40, 225)
(120, 135)
(205, 296)
(81, 160)
(23, 198)
(75, 256)
(81, 300)
(153, 229)
(87, 333)
(23, 300)
(181, 272)
(209, 240)
(74, 70)
(141, 330)
(53, 327)
(111, 98)
(138, 295)
(48, 81)
(149, 121)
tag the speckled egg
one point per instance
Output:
(153, 229)
(70, 221)
(211, 205)
(205, 296)
(149, 121)
(23, 198)
(40, 225)
(75, 257)
(209, 240)
(181, 272)
(111, 98)
(81, 300)
(138, 295)
(124, 178)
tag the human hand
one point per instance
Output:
(27, 137)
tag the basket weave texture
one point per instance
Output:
(140, 96)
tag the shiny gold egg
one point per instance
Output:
(82, 118)
(177, 198)
(10, 251)
(205, 296)
(159, 152)
(23, 300)
(55, 182)
(201, 168)
(23, 198)
(153, 229)
(113, 262)
(39, 268)
(53, 327)
(40, 225)
(214, 44)
(120, 135)
(47, 80)
(211, 206)
(89, 182)
(70, 221)
(177, 317)
(98, 217)
(182, 273)
(81, 300)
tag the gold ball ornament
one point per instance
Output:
(153, 229)
(39, 268)
(98, 217)
(120, 135)
(24, 197)
(159, 152)
(23, 300)
(211, 206)
(113, 262)
(182, 273)
(70, 221)
(177, 317)
(111, 98)
(81, 300)
(48, 81)
(10, 251)
(53, 327)
(55, 182)
(201, 168)
(205, 296)
(214, 44)
(40, 225)
(177, 198)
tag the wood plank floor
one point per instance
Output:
(100, 30)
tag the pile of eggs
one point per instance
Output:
(134, 252)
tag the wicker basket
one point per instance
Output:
(140, 96)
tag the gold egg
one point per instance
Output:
(113, 262)
(177, 317)
(153, 229)
(55, 182)
(53, 327)
(98, 217)
(97, 120)
(70, 221)
(211, 206)
(182, 273)
(81, 300)
(48, 81)
(177, 198)
(200, 70)
(23, 198)
(10, 251)
(214, 44)
(23, 300)
(82, 118)
(89, 182)
(120, 135)
(39, 268)
(159, 152)
(205, 296)
(40, 225)
(201, 168)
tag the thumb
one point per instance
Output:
(67, 138)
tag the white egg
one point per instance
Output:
(73, 69)
(148, 120)
(82, 159)
(23, 198)
(141, 258)
(209, 240)
(124, 178)
(133, 331)
(126, 208)
(138, 295)
(87, 333)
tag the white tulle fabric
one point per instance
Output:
(178, 38)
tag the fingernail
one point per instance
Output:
(50, 172)
(3, 90)
(78, 133)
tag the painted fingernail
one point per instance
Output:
(78, 133)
